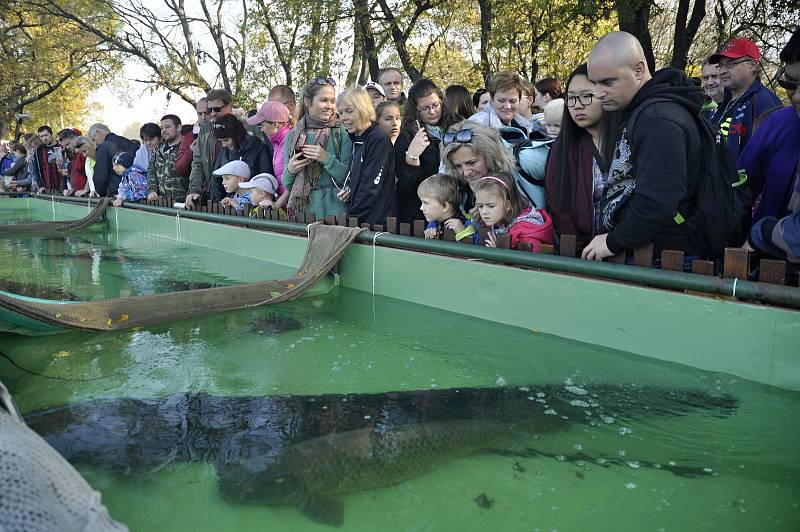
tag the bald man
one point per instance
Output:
(656, 167)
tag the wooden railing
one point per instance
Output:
(735, 263)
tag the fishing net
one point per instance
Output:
(39, 490)
(326, 244)
(43, 228)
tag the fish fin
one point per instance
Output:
(325, 510)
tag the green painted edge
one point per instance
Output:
(754, 342)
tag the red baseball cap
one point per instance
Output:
(737, 48)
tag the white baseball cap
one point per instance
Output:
(265, 182)
(375, 86)
(239, 168)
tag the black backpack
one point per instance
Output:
(721, 216)
(519, 143)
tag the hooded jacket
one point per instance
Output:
(662, 153)
(372, 194)
(254, 152)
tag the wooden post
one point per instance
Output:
(672, 260)
(547, 249)
(391, 225)
(703, 267)
(483, 233)
(568, 246)
(737, 263)
(209, 206)
(353, 222)
(341, 220)
(311, 217)
(419, 228)
(503, 241)
(330, 220)
(526, 246)
(619, 258)
(378, 228)
(448, 235)
(365, 226)
(772, 271)
(405, 229)
(643, 256)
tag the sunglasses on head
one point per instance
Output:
(462, 136)
(322, 81)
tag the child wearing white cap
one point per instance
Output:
(262, 191)
(233, 175)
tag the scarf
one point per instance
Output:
(306, 178)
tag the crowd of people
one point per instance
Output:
(619, 156)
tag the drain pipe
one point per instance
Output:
(670, 280)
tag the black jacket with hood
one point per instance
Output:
(665, 155)
(106, 182)
(372, 194)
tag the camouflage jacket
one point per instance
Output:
(162, 177)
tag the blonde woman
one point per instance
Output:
(371, 189)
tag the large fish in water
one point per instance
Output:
(307, 450)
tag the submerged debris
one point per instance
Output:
(483, 501)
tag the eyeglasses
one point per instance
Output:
(731, 64)
(788, 83)
(216, 109)
(462, 136)
(273, 123)
(321, 81)
(584, 99)
(429, 108)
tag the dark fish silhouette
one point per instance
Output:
(307, 450)
(37, 291)
(275, 323)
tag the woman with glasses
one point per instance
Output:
(425, 119)
(577, 169)
(771, 156)
(316, 153)
(471, 151)
(370, 192)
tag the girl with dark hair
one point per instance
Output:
(426, 117)
(577, 168)
(481, 99)
(237, 144)
(460, 101)
(546, 90)
(317, 153)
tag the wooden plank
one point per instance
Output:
(365, 226)
(526, 246)
(483, 233)
(311, 217)
(391, 225)
(703, 267)
(737, 263)
(568, 246)
(341, 220)
(419, 228)
(643, 256)
(448, 235)
(672, 260)
(619, 258)
(405, 229)
(353, 222)
(547, 249)
(330, 220)
(772, 271)
(503, 241)
(378, 228)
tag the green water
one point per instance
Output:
(349, 342)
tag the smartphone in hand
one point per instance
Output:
(300, 152)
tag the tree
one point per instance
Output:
(33, 69)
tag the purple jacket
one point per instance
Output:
(780, 237)
(770, 159)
